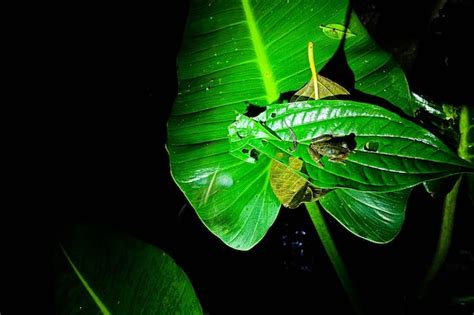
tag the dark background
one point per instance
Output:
(107, 165)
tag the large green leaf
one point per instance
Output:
(405, 153)
(234, 53)
(376, 217)
(103, 273)
(240, 52)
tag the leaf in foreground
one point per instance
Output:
(99, 272)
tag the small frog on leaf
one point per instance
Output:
(336, 149)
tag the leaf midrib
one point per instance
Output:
(271, 88)
(86, 285)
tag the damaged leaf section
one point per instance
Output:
(347, 144)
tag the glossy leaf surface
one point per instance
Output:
(377, 217)
(235, 53)
(405, 154)
(104, 273)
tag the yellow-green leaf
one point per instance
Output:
(288, 184)
(326, 87)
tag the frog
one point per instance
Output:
(336, 149)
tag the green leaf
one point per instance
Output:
(405, 153)
(440, 187)
(442, 119)
(375, 71)
(326, 88)
(441, 111)
(234, 53)
(99, 272)
(376, 217)
(251, 52)
(336, 31)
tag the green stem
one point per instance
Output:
(464, 128)
(449, 208)
(331, 250)
(444, 240)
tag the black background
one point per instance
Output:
(106, 164)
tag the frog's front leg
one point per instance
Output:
(315, 156)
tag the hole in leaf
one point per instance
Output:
(285, 97)
(254, 154)
(371, 146)
(273, 115)
(264, 142)
(254, 110)
(245, 151)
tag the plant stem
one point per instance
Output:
(449, 208)
(464, 129)
(331, 250)
(314, 74)
(444, 241)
